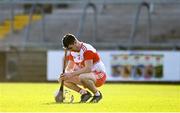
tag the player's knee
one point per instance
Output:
(82, 77)
(87, 78)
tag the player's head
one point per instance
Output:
(68, 39)
(70, 42)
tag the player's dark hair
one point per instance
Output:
(67, 40)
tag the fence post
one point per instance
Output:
(83, 17)
(136, 20)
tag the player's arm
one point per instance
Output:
(88, 57)
(86, 69)
(70, 66)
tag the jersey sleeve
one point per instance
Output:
(88, 55)
(70, 57)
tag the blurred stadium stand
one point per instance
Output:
(107, 24)
(28, 28)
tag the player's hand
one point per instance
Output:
(60, 77)
(65, 76)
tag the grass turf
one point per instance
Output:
(39, 97)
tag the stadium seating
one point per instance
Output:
(20, 21)
(4, 29)
(114, 25)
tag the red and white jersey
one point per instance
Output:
(87, 52)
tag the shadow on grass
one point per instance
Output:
(55, 103)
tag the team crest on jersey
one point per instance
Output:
(78, 58)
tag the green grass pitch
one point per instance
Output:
(39, 97)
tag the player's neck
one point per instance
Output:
(79, 45)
